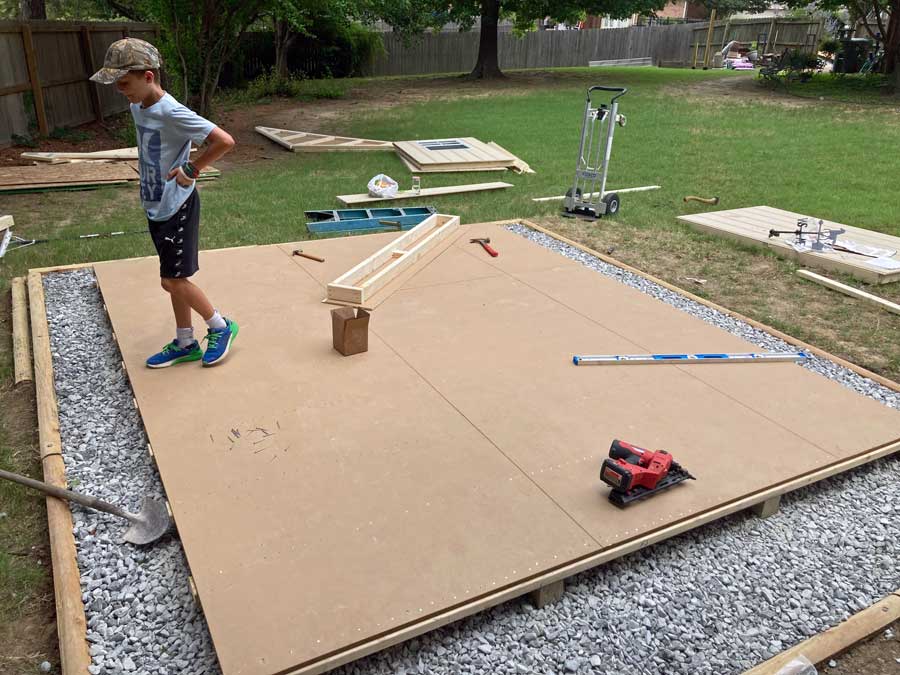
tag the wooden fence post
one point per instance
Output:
(87, 55)
(35, 80)
(709, 33)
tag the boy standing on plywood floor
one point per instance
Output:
(165, 130)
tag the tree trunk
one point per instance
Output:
(284, 38)
(34, 9)
(892, 44)
(487, 66)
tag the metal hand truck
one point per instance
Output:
(600, 122)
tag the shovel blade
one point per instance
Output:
(150, 525)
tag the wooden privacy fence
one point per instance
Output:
(44, 71)
(671, 45)
(771, 35)
(456, 52)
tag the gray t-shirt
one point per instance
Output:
(164, 134)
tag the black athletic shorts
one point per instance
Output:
(177, 239)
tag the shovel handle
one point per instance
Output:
(67, 495)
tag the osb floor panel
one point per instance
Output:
(323, 500)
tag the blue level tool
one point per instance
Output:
(680, 359)
(345, 220)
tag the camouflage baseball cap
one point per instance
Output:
(124, 55)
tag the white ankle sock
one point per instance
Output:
(216, 322)
(185, 336)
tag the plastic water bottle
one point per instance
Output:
(416, 184)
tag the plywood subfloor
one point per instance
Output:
(324, 501)
(751, 225)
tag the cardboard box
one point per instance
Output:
(350, 330)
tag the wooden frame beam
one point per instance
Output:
(892, 307)
(70, 621)
(358, 284)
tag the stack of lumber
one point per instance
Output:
(77, 171)
(457, 154)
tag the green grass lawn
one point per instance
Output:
(748, 147)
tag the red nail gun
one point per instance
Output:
(635, 473)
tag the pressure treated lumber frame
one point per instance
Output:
(365, 198)
(361, 282)
(70, 620)
(70, 611)
(304, 141)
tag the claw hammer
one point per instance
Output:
(485, 244)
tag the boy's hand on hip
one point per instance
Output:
(180, 177)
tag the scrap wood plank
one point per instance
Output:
(751, 226)
(27, 176)
(49, 187)
(21, 342)
(456, 168)
(518, 165)
(837, 639)
(849, 290)
(364, 280)
(303, 141)
(54, 157)
(365, 198)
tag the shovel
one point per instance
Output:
(146, 527)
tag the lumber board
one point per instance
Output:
(875, 377)
(70, 620)
(892, 307)
(6, 222)
(751, 225)
(27, 176)
(837, 639)
(358, 284)
(20, 339)
(121, 154)
(304, 141)
(365, 198)
(49, 187)
(415, 168)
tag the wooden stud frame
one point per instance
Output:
(303, 141)
(360, 283)
(70, 611)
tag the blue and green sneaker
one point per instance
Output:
(172, 354)
(218, 342)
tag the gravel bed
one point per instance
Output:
(140, 612)
(713, 601)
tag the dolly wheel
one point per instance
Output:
(612, 203)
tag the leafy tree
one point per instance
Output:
(198, 37)
(886, 16)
